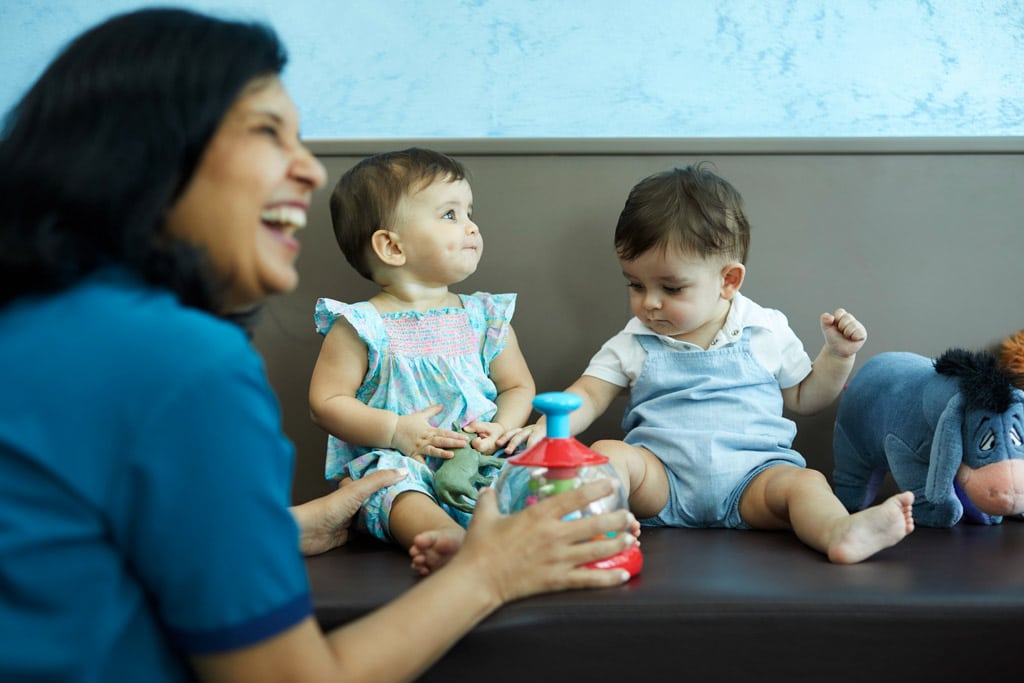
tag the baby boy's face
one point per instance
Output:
(676, 295)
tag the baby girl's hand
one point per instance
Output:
(844, 334)
(531, 434)
(416, 438)
(487, 434)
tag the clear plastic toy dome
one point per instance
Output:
(560, 463)
(521, 486)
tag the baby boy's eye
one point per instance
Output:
(672, 290)
(449, 214)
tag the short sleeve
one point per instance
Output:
(619, 361)
(495, 311)
(326, 312)
(794, 363)
(204, 511)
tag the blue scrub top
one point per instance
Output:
(144, 488)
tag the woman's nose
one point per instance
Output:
(308, 169)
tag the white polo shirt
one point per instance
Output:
(775, 346)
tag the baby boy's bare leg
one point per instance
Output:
(642, 474)
(419, 524)
(788, 496)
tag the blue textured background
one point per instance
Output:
(607, 68)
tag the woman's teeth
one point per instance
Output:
(284, 217)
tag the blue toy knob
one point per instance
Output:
(556, 406)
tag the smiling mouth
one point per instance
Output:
(284, 218)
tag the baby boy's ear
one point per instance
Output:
(732, 278)
(388, 247)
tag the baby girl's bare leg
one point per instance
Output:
(430, 535)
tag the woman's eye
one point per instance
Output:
(634, 285)
(269, 131)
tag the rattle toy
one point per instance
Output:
(560, 463)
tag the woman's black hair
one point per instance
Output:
(102, 145)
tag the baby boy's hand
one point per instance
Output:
(844, 334)
(530, 434)
(487, 434)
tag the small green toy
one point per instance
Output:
(456, 482)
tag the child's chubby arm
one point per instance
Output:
(512, 378)
(337, 375)
(597, 395)
(844, 337)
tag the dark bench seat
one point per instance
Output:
(946, 604)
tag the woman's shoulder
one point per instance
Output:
(128, 322)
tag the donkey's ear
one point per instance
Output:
(947, 451)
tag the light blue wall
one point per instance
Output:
(609, 68)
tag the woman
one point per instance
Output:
(153, 181)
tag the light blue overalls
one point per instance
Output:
(714, 418)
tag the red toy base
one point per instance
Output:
(629, 559)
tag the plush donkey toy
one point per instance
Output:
(949, 430)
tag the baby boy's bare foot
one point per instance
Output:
(864, 533)
(431, 550)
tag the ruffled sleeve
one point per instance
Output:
(325, 314)
(363, 318)
(495, 316)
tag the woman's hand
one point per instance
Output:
(536, 550)
(324, 522)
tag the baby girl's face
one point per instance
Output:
(441, 242)
(675, 294)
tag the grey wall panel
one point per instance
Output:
(922, 241)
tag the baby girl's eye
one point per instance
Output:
(449, 214)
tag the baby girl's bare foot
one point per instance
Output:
(431, 550)
(864, 533)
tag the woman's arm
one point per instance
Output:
(503, 558)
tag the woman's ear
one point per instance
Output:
(388, 247)
(732, 278)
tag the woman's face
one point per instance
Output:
(250, 194)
